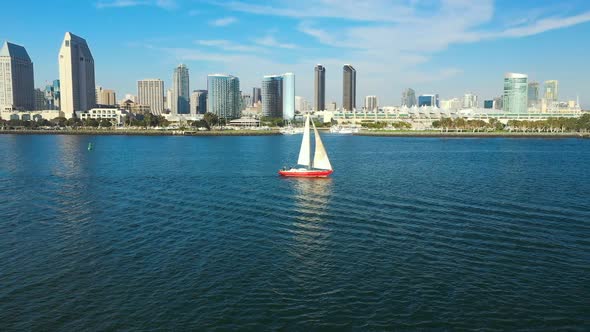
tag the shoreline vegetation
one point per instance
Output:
(273, 132)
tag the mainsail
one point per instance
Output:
(320, 157)
(305, 152)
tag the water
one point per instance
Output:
(200, 233)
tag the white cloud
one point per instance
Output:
(166, 4)
(227, 45)
(271, 41)
(224, 21)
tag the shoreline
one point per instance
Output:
(111, 132)
(437, 134)
(408, 134)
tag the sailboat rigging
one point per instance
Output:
(319, 165)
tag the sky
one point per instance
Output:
(448, 47)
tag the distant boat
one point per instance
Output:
(319, 165)
(90, 146)
(290, 130)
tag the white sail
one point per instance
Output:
(320, 157)
(305, 152)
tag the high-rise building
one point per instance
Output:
(515, 93)
(256, 96)
(499, 103)
(300, 104)
(52, 95)
(533, 95)
(551, 91)
(348, 88)
(223, 96)
(332, 107)
(371, 103)
(199, 102)
(168, 100)
(76, 75)
(150, 92)
(272, 96)
(105, 97)
(246, 101)
(409, 97)
(453, 104)
(428, 100)
(319, 101)
(488, 104)
(469, 100)
(40, 100)
(288, 96)
(180, 90)
(17, 83)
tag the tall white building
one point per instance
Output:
(169, 97)
(469, 100)
(288, 96)
(76, 75)
(16, 78)
(150, 92)
(224, 97)
(301, 105)
(199, 102)
(371, 103)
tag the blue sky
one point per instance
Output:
(434, 46)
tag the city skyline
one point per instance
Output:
(470, 56)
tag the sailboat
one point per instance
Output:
(317, 167)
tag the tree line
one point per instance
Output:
(551, 125)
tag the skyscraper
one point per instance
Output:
(319, 88)
(272, 96)
(199, 102)
(52, 95)
(348, 88)
(180, 90)
(288, 96)
(256, 95)
(469, 100)
(76, 75)
(105, 97)
(40, 100)
(515, 93)
(409, 97)
(16, 78)
(150, 92)
(224, 96)
(533, 94)
(371, 103)
(551, 91)
(428, 100)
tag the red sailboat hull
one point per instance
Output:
(306, 173)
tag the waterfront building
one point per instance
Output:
(348, 88)
(223, 96)
(319, 88)
(515, 93)
(168, 100)
(40, 100)
(371, 103)
(288, 96)
(114, 115)
(76, 75)
(533, 95)
(150, 92)
(469, 100)
(17, 82)
(199, 102)
(180, 90)
(408, 97)
(488, 104)
(272, 96)
(428, 100)
(256, 96)
(135, 108)
(131, 97)
(551, 91)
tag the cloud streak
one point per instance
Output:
(165, 4)
(223, 22)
